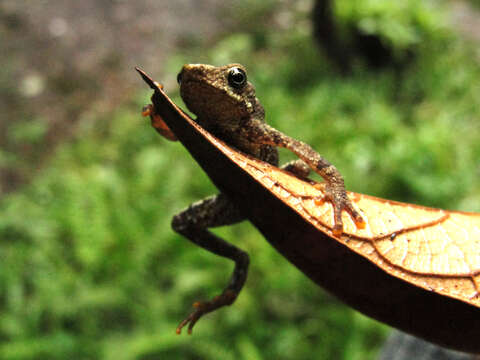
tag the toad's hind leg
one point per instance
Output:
(192, 223)
(298, 168)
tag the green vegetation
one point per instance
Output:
(400, 23)
(92, 270)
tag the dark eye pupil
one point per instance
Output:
(179, 77)
(237, 77)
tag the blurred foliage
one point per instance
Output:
(399, 23)
(91, 268)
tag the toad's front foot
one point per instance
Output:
(158, 123)
(340, 201)
(202, 308)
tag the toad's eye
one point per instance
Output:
(179, 78)
(237, 78)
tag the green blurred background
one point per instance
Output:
(89, 267)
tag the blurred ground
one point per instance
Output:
(466, 19)
(64, 59)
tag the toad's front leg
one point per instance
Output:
(192, 223)
(260, 132)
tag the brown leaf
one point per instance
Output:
(412, 267)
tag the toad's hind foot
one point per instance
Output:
(340, 202)
(202, 308)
